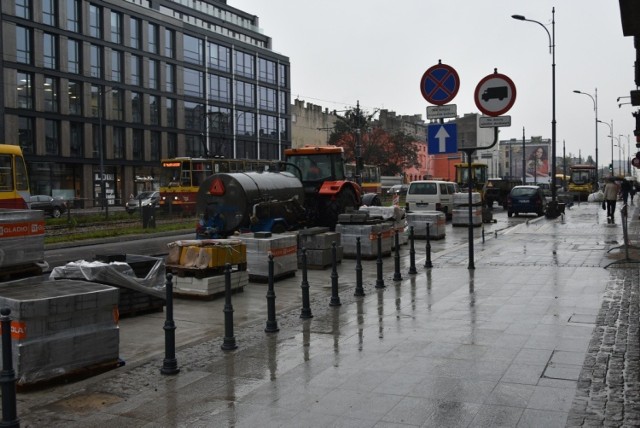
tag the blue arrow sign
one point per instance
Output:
(442, 138)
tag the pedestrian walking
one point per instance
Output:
(610, 197)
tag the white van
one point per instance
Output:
(431, 195)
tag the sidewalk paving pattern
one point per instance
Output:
(539, 334)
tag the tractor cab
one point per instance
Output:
(316, 165)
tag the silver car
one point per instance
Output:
(142, 200)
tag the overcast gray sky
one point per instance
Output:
(376, 51)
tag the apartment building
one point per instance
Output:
(103, 90)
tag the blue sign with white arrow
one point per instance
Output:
(442, 138)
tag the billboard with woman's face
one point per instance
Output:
(536, 163)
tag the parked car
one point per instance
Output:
(431, 195)
(142, 200)
(54, 207)
(400, 189)
(526, 199)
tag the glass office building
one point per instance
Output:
(106, 89)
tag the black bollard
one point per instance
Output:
(170, 363)
(359, 290)
(483, 233)
(427, 262)
(306, 307)
(272, 324)
(379, 280)
(229, 341)
(335, 299)
(412, 253)
(396, 258)
(8, 374)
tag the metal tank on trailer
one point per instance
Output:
(227, 202)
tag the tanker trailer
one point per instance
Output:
(255, 201)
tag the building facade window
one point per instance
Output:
(245, 123)
(245, 94)
(135, 72)
(268, 126)
(75, 97)
(193, 116)
(244, 65)
(134, 33)
(23, 9)
(154, 146)
(137, 144)
(193, 83)
(73, 15)
(118, 143)
(266, 71)
(267, 99)
(24, 86)
(96, 95)
(76, 140)
(50, 51)
(153, 74)
(193, 145)
(51, 88)
(219, 57)
(95, 21)
(26, 138)
(282, 102)
(172, 145)
(283, 77)
(154, 111)
(152, 38)
(95, 68)
(49, 12)
(116, 27)
(192, 49)
(23, 45)
(219, 88)
(73, 56)
(169, 43)
(170, 106)
(136, 107)
(284, 132)
(117, 104)
(116, 66)
(52, 137)
(170, 78)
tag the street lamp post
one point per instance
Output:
(610, 135)
(552, 210)
(103, 186)
(595, 108)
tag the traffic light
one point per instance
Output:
(611, 167)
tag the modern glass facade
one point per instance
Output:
(105, 89)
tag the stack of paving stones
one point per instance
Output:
(608, 391)
(318, 242)
(437, 222)
(460, 215)
(60, 327)
(283, 248)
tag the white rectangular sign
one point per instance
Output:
(494, 122)
(442, 112)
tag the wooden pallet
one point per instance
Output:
(183, 271)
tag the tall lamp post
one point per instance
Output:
(610, 135)
(552, 210)
(595, 108)
(103, 186)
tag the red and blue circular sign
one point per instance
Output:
(439, 84)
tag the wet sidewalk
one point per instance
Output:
(530, 337)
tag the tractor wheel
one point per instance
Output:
(345, 199)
